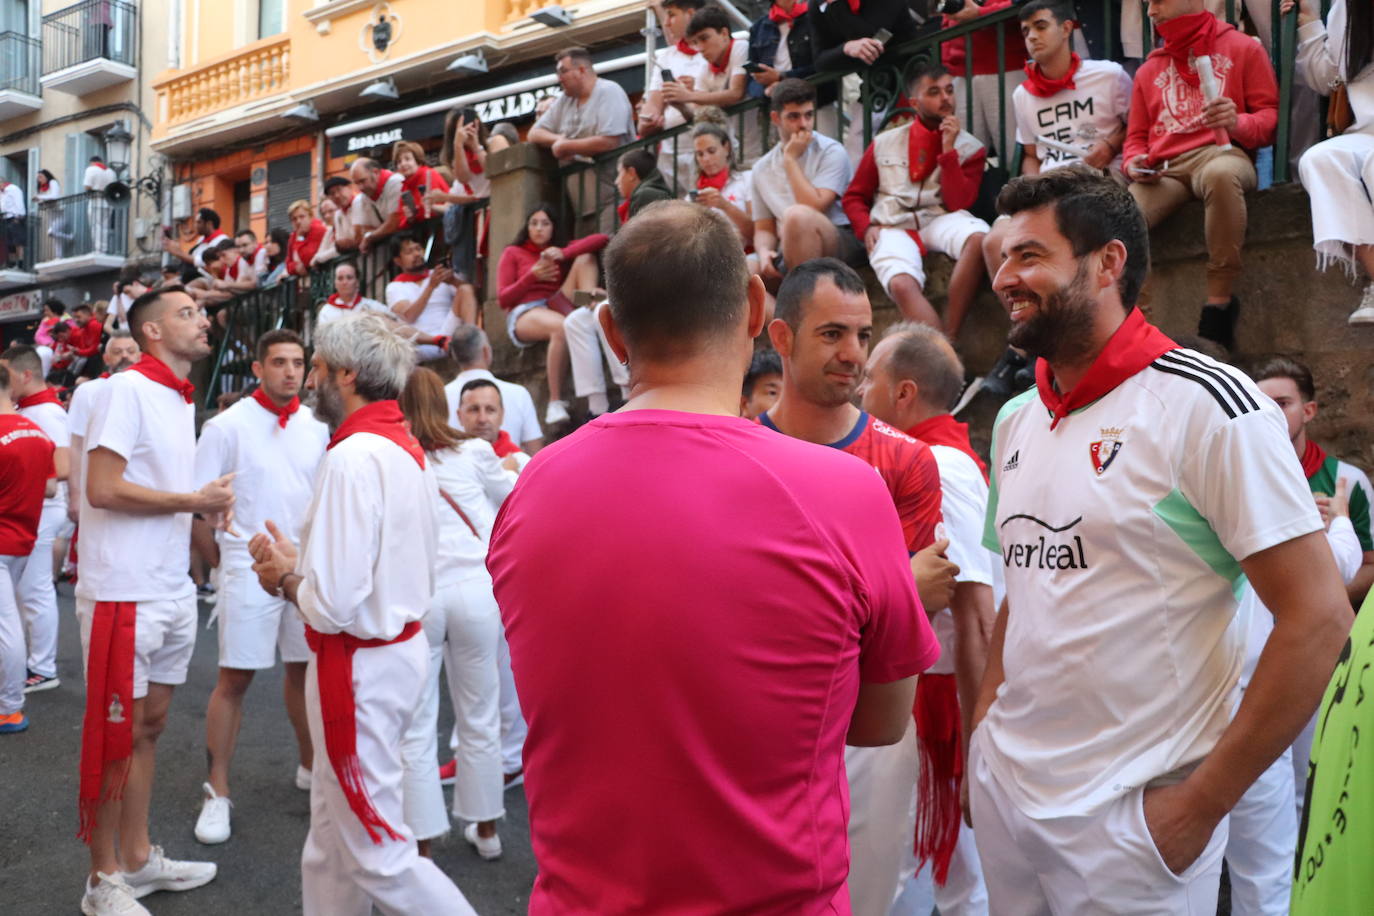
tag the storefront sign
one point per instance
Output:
(20, 306)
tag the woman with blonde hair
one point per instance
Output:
(463, 626)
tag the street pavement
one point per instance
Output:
(43, 864)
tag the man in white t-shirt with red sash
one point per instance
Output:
(362, 578)
(1135, 488)
(134, 599)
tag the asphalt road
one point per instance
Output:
(42, 864)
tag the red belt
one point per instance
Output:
(334, 670)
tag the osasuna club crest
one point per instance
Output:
(1104, 450)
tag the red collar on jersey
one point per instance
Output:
(381, 418)
(283, 413)
(160, 372)
(1132, 347)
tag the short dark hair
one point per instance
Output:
(63, 326)
(577, 53)
(97, 159)
(81, 307)
(211, 255)
(926, 67)
(277, 336)
(1090, 211)
(477, 383)
(248, 232)
(639, 161)
(800, 283)
(1287, 367)
(338, 181)
(708, 17)
(676, 278)
(207, 215)
(142, 305)
(924, 355)
(1061, 10)
(684, 4)
(55, 304)
(23, 356)
(792, 91)
(763, 363)
(398, 241)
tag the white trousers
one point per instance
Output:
(1337, 174)
(513, 728)
(343, 873)
(1262, 843)
(98, 213)
(12, 672)
(882, 820)
(1105, 862)
(586, 344)
(37, 598)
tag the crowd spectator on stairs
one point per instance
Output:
(719, 184)
(639, 182)
(307, 234)
(419, 180)
(375, 211)
(681, 60)
(341, 191)
(1180, 146)
(781, 45)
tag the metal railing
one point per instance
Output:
(89, 30)
(20, 56)
(79, 225)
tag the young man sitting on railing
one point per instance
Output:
(682, 62)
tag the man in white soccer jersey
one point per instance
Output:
(1134, 487)
(272, 444)
(134, 599)
(40, 405)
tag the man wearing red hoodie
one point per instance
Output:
(915, 201)
(1180, 145)
(86, 331)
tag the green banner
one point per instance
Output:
(1335, 864)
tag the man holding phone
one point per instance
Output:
(678, 63)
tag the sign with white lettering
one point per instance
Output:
(20, 305)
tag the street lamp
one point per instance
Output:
(118, 142)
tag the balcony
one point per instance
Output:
(89, 46)
(257, 72)
(19, 62)
(16, 262)
(81, 234)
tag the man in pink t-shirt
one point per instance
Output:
(748, 608)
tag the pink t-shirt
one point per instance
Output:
(691, 602)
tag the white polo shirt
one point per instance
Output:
(1120, 532)
(521, 419)
(274, 467)
(52, 419)
(131, 556)
(434, 319)
(825, 164)
(367, 213)
(963, 503)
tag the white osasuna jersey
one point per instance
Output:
(1120, 532)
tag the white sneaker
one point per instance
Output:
(1364, 314)
(111, 897)
(160, 873)
(302, 778)
(557, 412)
(488, 847)
(213, 824)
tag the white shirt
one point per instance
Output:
(52, 419)
(1120, 658)
(710, 81)
(435, 318)
(736, 191)
(368, 213)
(825, 164)
(274, 468)
(370, 542)
(205, 244)
(679, 64)
(12, 201)
(782, 57)
(53, 192)
(136, 556)
(472, 476)
(330, 313)
(98, 177)
(1093, 110)
(963, 504)
(521, 420)
(78, 419)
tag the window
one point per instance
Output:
(271, 17)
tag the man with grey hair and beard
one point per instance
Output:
(361, 578)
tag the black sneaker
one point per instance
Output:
(1001, 380)
(37, 682)
(1218, 323)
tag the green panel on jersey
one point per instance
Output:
(1176, 512)
(1323, 483)
(990, 540)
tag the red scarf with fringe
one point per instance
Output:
(107, 731)
(939, 741)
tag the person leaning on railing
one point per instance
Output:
(780, 45)
(1339, 172)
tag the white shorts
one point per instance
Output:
(897, 252)
(252, 624)
(164, 638)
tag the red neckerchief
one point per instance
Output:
(213, 237)
(107, 729)
(104, 375)
(724, 59)
(854, 7)
(717, 181)
(338, 303)
(1312, 459)
(622, 210)
(382, 418)
(923, 148)
(1132, 347)
(100, 165)
(412, 278)
(531, 247)
(945, 430)
(160, 372)
(685, 48)
(422, 176)
(474, 162)
(283, 413)
(781, 16)
(1194, 34)
(1041, 86)
(383, 176)
(504, 445)
(339, 710)
(46, 396)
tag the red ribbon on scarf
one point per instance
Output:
(160, 372)
(107, 731)
(283, 413)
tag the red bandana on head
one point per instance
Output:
(717, 181)
(283, 413)
(338, 303)
(1132, 347)
(381, 418)
(780, 15)
(1195, 34)
(1041, 86)
(1313, 457)
(945, 430)
(685, 48)
(46, 396)
(160, 372)
(724, 59)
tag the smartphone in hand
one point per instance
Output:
(882, 36)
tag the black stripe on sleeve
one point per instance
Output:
(1199, 379)
(1235, 388)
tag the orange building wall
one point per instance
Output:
(212, 180)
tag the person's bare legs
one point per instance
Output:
(582, 275)
(223, 716)
(912, 302)
(1365, 255)
(129, 817)
(545, 324)
(293, 692)
(465, 303)
(805, 234)
(963, 283)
